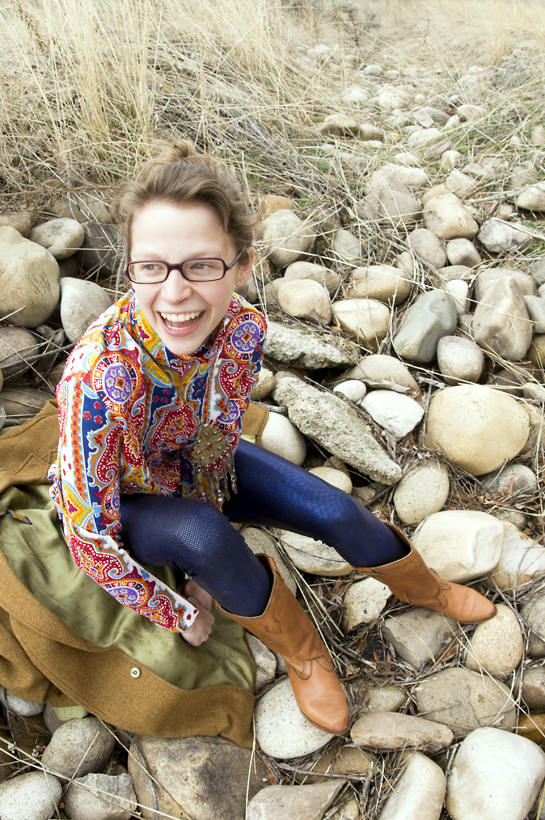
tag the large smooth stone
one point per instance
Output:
(79, 746)
(501, 322)
(337, 478)
(431, 317)
(476, 427)
(497, 236)
(535, 306)
(487, 278)
(396, 208)
(418, 635)
(302, 347)
(308, 802)
(494, 775)
(19, 349)
(419, 793)
(30, 796)
(305, 299)
(533, 688)
(384, 731)
(447, 218)
(101, 797)
(61, 237)
(459, 290)
(382, 282)
(460, 545)
(346, 246)
(394, 412)
(533, 612)
(286, 237)
(428, 246)
(386, 372)
(366, 319)
(29, 280)
(265, 384)
(496, 645)
(101, 250)
(466, 700)
(532, 198)
(520, 561)
(421, 492)
(329, 279)
(313, 556)
(382, 699)
(459, 359)
(463, 252)
(82, 302)
(410, 176)
(281, 436)
(363, 602)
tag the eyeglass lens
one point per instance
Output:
(203, 270)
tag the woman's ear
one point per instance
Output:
(245, 271)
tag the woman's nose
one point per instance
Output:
(176, 287)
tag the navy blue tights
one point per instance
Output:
(195, 537)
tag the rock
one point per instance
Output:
(460, 544)
(82, 207)
(520, 560)
(30, 796)
(513, 478)
(476, 427)
(271, 203)
(382, 699)
(450, 159)
(351, 389)
(370, 132)
(21, 707)
(79, 746)
(421, 492)
(100, 797)
(2, 416)
(346, 246)
(447, 218)
(494, 774)
(430, 317)
(511, 516)
(384, 731)
(334, 477)
(396, 208)
(265, 384)
(348, 760)
(538, 271)
(101, 249)
(22, 403)
(313, 556)
(29, 278)
(536, 352)
(282, 437)
(305, 299)
(419, 140)
(535, 306)
(408, 159)
(286, 237)
(19, 349)
(496, 645)
(374, 70)
(454, 272)
(532, 198)
(533, 688)
(265, 662)
(303, 802)
(355, 95)
(20, 222)
(410, 177)
(61, 237)
(459, 290)
(498, 236)
(335, 425)
(281, 730)
(537, 137)
(386, 372)
(338, 125)
(465, 701)
(82, 302)
(304, 348)
(428, 246)
(203, 777)
(261, 542)
(435, 190)
(389, 101)
(329, 279)
(396, 413)
(363, 603)
(419, 793)
(367, 319)
(382, 282)
(479, 172)
(463, 252)
(459, 359)
(533, 613)
(419, 635)
(501, 321)
(515, 278)
(460, 184)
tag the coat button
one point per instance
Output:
(135, 672)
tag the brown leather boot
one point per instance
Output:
(285, 628)
(413, 582)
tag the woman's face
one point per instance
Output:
(184, 313)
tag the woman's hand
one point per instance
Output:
(200, 629)
(197, 595)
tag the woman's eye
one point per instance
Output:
(151, 267)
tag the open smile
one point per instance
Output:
(181, 321)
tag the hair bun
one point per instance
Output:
(179, 152)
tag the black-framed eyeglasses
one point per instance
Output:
(194, 270)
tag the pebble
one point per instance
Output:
(406, 173)
(460, 184)
(532, 198)
(501, 321)
(100, 797)
(515, 278)
(366, 319)
(406, 158)
(467, 111)
(30, 280)
(301, 347)
(82, 302)
(535, 306)
(101, 250)
(30, 796)
(373, 69)
(419, 792)
(498, 236)
(428, 246)
(265, 662)
(385, 731)
(351, 389)
(79, 747)
(520, 560)
(459, 290)
(20, 222)
(348, 760)
(494, 774)
(281, 730)
(496, 646)
(466, 700)
(450, 159)
(21, 707)
(338, 125)
(463, 252)
(454, 272)
(459, 359)
(313, 556)
(386, 372)
(329, 279)
(265, 384)
(286, 237)
(369, 132)
(424, 138)
(337, 478)
(335, 425)
(460, 544)
(363, 603)
(19, 349)
(346, 246)
(533, 688)
(430, 317)
(533, 612)
(394, 412)
(421, 492)
(436, 190)
(305, 299)
(513, 478)
(448, 218)
(308, 802)
(418, 636)
(355, 95)
(382, 699)
(396, 208)
(282, 437)
(382, 282)
(476, 427)
(61, 237)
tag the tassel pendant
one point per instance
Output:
(212, 459)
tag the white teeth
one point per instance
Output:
(180, 317)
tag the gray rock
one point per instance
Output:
(286, 237)
(421, 492)
(538, 271)
(82, 302)
(382, 699)
(265, 384)
(386, 372)
(532, 198)
(448, 218)
(20, 222)
(460, 184)
(313, 556)
(265, 662)
(432, 316)
(463, 252)
(61, 237)
(29, 280)
(466, 701)
(520, 561)
(382, 282)
(459, 359)
(101, 251)
(22, 403)
(31, 796)
(513, 478)
(533, 613)
(396, 208)
(394, 412)
(535, 306)
(366, 319)
(335, 425)
(385, 731)
(454, 272)
(282, 437)
(203, 777)
(501, 321)
(498, 236)
(338, 125)
(428, 246)
(81, 207)
(79, 747)
(21, 707)
(329, 279)
(363, 602)
(346, 246)
(419, 793)
(418, 635)
(305, 299)
(100, 797)
(306, 349)
(488, 278)
(19, 349)
(496, 646)
(303, 802)
(533, 688)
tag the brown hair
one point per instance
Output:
(181, 175)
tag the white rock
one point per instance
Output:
(496, 645)
(356, 94)
(497, 236)
(303, 347)
(406, 158)
(448, 218)
(460, 184)
(30, 279)
(367, 319)
(282, 437)
(459, 290)
(384, 731)
(373, 69)
(334, 477)
(450, 159)
(313, 556)
(520, 560)
(346, 246)
(460, 544)
(419, 793)
(494, 774)
(463, 252)
(412, 177)
(382, 282)
(61, 237)
(396, 413)
(428, 246)
(459, 359)
(386, 372)
(305, 299)
(101, 797)
(419, 635)
(329, 279)
(532, 198)
(351, 389)
(422, 492)
(21, 707)
(31, 796)
(82, 745)
(424, 139)
(264, 385)
(265, 662)
(535, 306)
(364, 601)
(286, 237)
(389, 101)
(281, 730)
(82, 302)
(308, 802)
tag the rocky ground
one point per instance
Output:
(401, 266)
